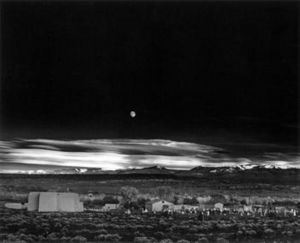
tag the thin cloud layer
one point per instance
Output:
(115, 154)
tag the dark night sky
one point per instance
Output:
(198, 68)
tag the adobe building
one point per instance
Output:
(33, 201)
(184, 207)
(219, 206)
(110, 206)
(159, 206)
(54, 202)
(15, 205)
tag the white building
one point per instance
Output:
(15, 205)
(178, 207)
(219, 206)
(159, 206)
(248, 208)
(54, 202)
(184, 207)
(33, 201)
(110, 206)
(204, 199)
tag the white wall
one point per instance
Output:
(33, 201)
(48, 202)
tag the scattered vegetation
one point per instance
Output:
(24, 226)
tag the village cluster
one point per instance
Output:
(206, 209)
(161, 215)
(130, 204)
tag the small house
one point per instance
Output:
(178, 208)
(206, 206)
(204, 199)
(248, 208)
(185, 207)
(229, 206)
(159, 206)
(281, 210)
(191, 207)
(219, 206)
(110, 206)
(258, 208)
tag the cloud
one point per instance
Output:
(113, 154)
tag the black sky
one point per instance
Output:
(184, 67)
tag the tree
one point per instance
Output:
(176, 199)
(79, 238)
(129, 193)
(109, 199)
(113, 238)
(190, 201)
(165, 192)
(159, 235)
(243, 202)
(141, 202)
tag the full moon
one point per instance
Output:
(132, 114)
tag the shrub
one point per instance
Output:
(113, 237)
(239, 233)
(138, 234)
(100, 237)
(159, 235)
(222, 240)
(269, 233)
(142, 240)
(52, 237)
(3, 237)
(102, 232)
(166, 241)
(78, 238)
(22, 230)
(108, 237)
(65, 239)
(251, 233)
(27, 238)
(85, 233)
(41, 238)
(202, 240)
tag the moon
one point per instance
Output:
(132, 114)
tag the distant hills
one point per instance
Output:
(199, 170)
